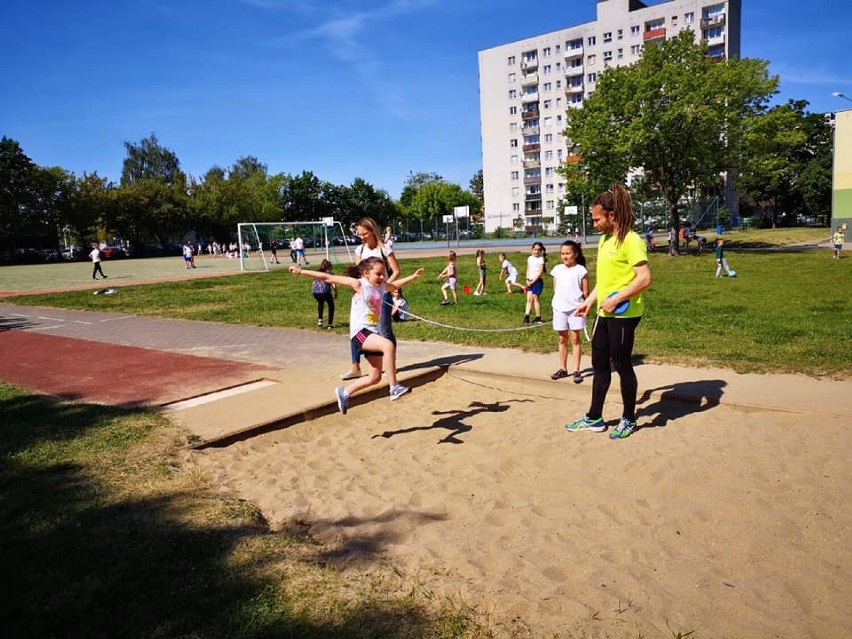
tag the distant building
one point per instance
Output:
(526, 87)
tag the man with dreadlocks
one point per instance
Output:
(622, 275)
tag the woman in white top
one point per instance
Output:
(95, 256)
(372, 246)
(369, 284)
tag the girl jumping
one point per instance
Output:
(368, 281)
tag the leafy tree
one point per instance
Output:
(16, 196)
(814, 181)
(676, 113)
(147, 160)
(477, 187)
(300, 196)
(413, 183)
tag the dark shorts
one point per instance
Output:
(537, 287)
(358, 342)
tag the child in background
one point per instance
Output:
(399, 312)
(449, 274)
(535, 284)
(721, 262)
(368, 281)
(510, 273)
(571, 288)
(480, 264)
(324, 293)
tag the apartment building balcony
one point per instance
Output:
(716, 41)
(576, 52)
(713, 21)
(529, 97)
(532, 147)
(532, 197)
(571, 89)
(529, 130)
(654, 34)
(574, 158)
(573, 71)
(530, 114)
(529, 64)
(532, 164)
(532, 180)
(528, 79)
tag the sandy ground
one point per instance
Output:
(718, 520)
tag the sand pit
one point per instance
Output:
(719, 520)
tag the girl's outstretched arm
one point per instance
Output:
(402, 281)
(342, 280)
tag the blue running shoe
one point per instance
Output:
(584, 423)
(624, 429)
(342, 399)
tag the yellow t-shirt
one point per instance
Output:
(615, 270)
(838, 238)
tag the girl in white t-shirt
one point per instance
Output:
(570, 289)
(535, 284)
(369, 282)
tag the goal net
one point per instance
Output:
(267, 245)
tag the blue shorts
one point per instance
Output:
(358, 342)
(536, 287)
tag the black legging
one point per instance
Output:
(613, 340)
(322, 299)
(97, 269)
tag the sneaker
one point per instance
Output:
(624, 429)
(342, 399)
(477, 293)
(351, 375)
(397, 391)
(526, 319)
(560, 374)
(584, 423)
(329, 327)
(538, 320)
(319, 322)
(445, 302)
(578, 379)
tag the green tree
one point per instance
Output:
(147, 160)
(676, 113)
(477, 187)
(16, 191)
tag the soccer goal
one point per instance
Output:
(263, 245)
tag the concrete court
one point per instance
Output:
(243, 380)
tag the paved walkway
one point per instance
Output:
(242, 380)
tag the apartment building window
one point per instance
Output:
(590, 60)
(592, 77)
(576, 99)
(635, 49)
(548, 137)
(558, 119)
(574, 44)
(513, 143)
(516, 207)
(619, 54)
(546, 105)
(513, 126)
(560, 187)
(510, 60)
(713, 32)
(548, 122)
(546, 69)
(513, 110)
(590, 41)
(514, 159)
(558, 102)
(607, 56)
(548, 188)
(515, 175)
(549, 171)
(513, 93)
(547, 86)
(515, 191)
(549, 205)
(577, 82)
(545, 52)
(558, 154)
(674, 21)
(653, 25)
(689, 18)
(620, 34)
(558, 85)
(607, 36)
(558, 48)
(558, 66)
(634, 30)
(513, 77)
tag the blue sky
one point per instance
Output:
(343, 88)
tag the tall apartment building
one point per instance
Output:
(526, 88)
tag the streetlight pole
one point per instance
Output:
(838, 94)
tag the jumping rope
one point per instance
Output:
(465, 328)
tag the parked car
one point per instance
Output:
(51, 255)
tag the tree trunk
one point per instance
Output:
(674, 226)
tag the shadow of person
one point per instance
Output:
(454, 420)
(446, 361)
(680, 399)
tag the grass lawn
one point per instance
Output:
(787, 311)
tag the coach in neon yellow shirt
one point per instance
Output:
(623, 274)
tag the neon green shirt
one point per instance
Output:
(615, 270)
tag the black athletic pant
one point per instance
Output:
(97, 269)
(613, 341)
(322, 299)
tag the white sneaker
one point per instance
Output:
(342, 399)
(397, 391)
(477, 293)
